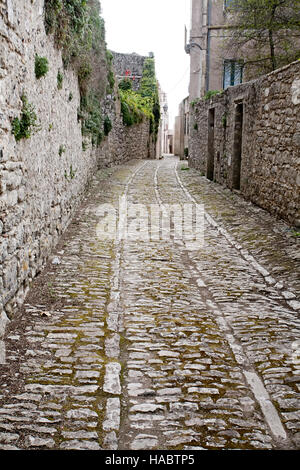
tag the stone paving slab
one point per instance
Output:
(151, 345)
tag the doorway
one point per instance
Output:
(237, 146)
(211, 145)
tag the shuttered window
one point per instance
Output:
(233, 73)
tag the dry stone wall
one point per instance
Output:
(131, 66)
(43, 178)
(248, 138)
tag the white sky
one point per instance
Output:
(144, 26)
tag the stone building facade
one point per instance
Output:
(43, 178)
(163, 141)
(248, 139)
(182, 129)
(212, 68)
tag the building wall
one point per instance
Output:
(177, 133)
(207, 30)
(163, 146)
(181, 139)
(197, 57)
(267, 141)
(41, 186)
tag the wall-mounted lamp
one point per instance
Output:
(190, 45)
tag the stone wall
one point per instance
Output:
(248, 139)
(182, 129)
(43, 178)
(129, 65)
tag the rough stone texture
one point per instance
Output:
(193, 325)
(270, 163)
(129, 65)
(40, 189)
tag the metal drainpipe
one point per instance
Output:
(208, 45)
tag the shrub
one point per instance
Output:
(125, 84)
(84, 73)
(209, 94)
(41, 66)
(61, 150)
(26, 125)
(128, 118)
(91, 117)
(107, 126)
(149, 89)
(71, 175)
(79, 32)
(134, 107)
(60, 79)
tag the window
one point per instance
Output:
(227, 3)
(233, 73)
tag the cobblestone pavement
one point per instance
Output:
(158, 345)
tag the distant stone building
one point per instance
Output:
(129, 66)
(163, 132)
(212, 68)
(181, 132)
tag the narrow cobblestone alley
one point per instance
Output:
(136, 345)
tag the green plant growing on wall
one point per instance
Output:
(209, 94)
(61, 150)
(60, 79)
(295, 233)
(78, 30)
(137, 105)
(84, 73)
(224, 120)
(134, 107)
(110, 74)
(195, 101)
(71, 175)
(41, 66)
(149, 89)
(70, 96)
(125, 84)
(107, 126)
(26, 125)
(68, 21)
(91, 117)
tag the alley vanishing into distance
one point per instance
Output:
(136, 345)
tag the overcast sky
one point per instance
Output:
(144, 26)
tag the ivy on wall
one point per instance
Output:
(79, 31)
(135, 105)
